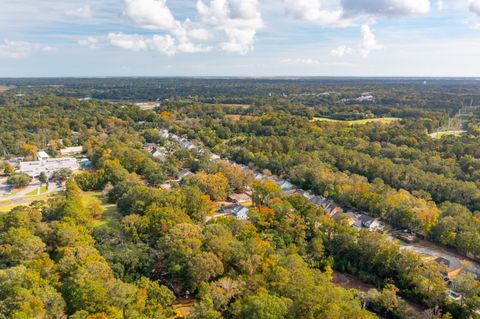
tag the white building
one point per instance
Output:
(42, 155)
(68, 151)
(48, 166)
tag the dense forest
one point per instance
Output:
(131, 238)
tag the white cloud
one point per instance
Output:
(440, 4)
(341, 51)
(238, 20)
(82, 12)
(165, 44)
(313, 11)
(150, 14)
(306, 61)
(475, 6)
(385, 7)
(90, 42)
(132, 42)
(21, 49)
(345, 12)
(369, 41)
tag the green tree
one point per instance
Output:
(19, 180)
(263, 305)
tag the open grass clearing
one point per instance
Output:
(439, 135)
(238, 117)
(110, 216)
(382, 120)
(32, 193)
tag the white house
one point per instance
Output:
(42, 155)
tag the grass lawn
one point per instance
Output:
(43, 189)
(440, 135)
(14, 191)
(383, 120)
(7, 208)
(32, 193)
(110, 215)
(237, 117)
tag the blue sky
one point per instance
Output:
(239, 38)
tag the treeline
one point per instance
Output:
(289, 146)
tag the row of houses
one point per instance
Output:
(334, 211)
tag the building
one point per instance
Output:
(149, 147)
(370, 223)
(238, 211)
(42, 155)
(48, 166)
(285, 185)
(184, 173)
(214, 158)
(240, 198)
(159, 154)
(69, 151)
(338, 216)
(452, 264)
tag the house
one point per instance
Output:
(149, 147)
(238, 211)
(42, 156)
(357, 223)
(338, 216)
(159, 154)
(319, 201)
(307, 195)
(285, 185)
(184, 173)
(186, 144)
(452, 264)
(165, 133)
(372, 224)
(240, 198)
(69, 151)
(214, 158)
(333, 210)
(258, 176)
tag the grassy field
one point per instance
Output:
(236, 117)
(440, 135)
(6, 205)
(383, 120)
(32, 193)
(110, 215)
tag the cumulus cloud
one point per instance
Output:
(90, 42)
(239, 20)
(369, 41)
(21, 49)
(82, 12)
(165, 44)
(475, 6)
(346, 12)
(150, 14)
(306, 61)
(386, 7)
(341, 51)
(132, 42)
(313, 11)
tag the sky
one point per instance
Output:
(252, 38)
